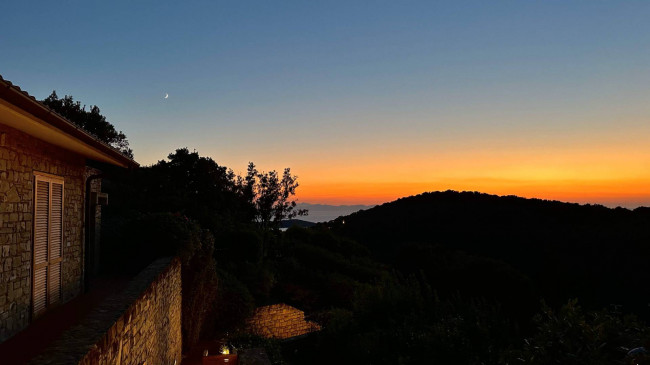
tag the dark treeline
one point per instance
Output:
(453, 278)
(482, 279)
(223, 226)
(536, 248)
(447, 277)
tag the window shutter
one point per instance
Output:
(40, 298)
(56, 238)
(41, 233)
(48, 239)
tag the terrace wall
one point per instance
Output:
(141, 325)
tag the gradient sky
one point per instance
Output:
(365, 101)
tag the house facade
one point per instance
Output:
(48, 172)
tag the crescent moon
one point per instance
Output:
(166, 95)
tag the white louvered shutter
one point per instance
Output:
(56, 239)
(48, 238)
(41, 232)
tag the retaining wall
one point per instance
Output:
(141, 325)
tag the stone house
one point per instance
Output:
(50, 204)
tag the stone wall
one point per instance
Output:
(20, 156)
(280, 321)
(94, 224)
(140, 325)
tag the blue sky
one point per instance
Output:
(384, 88)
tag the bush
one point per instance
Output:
(234, 303)
(571, 336)
(149, 236)
(240, 246)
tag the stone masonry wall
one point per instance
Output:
(280, 321)
(20, 156)
(95, 217)
(140, 325)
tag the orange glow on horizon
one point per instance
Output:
(607, 192)
(600, 160)
(611, 172)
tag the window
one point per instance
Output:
(48, 238)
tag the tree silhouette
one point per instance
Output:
(91, 121)
(270, 195)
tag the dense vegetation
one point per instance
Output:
(509, 276)
(548, 249)
(220, 224)
(450, 278)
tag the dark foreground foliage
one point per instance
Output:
(192, 207)
(445, 278)
(571, 336)
(140, 240)
(556, 250)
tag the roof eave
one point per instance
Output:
(20, 99)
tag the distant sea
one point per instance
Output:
(325, 213)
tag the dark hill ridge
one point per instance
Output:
(597, 254)
(287, 223)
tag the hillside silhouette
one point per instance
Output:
(513, 249)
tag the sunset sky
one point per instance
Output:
(365, 101)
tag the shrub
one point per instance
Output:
(234, 303)
(149, 236)
(571, 336)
